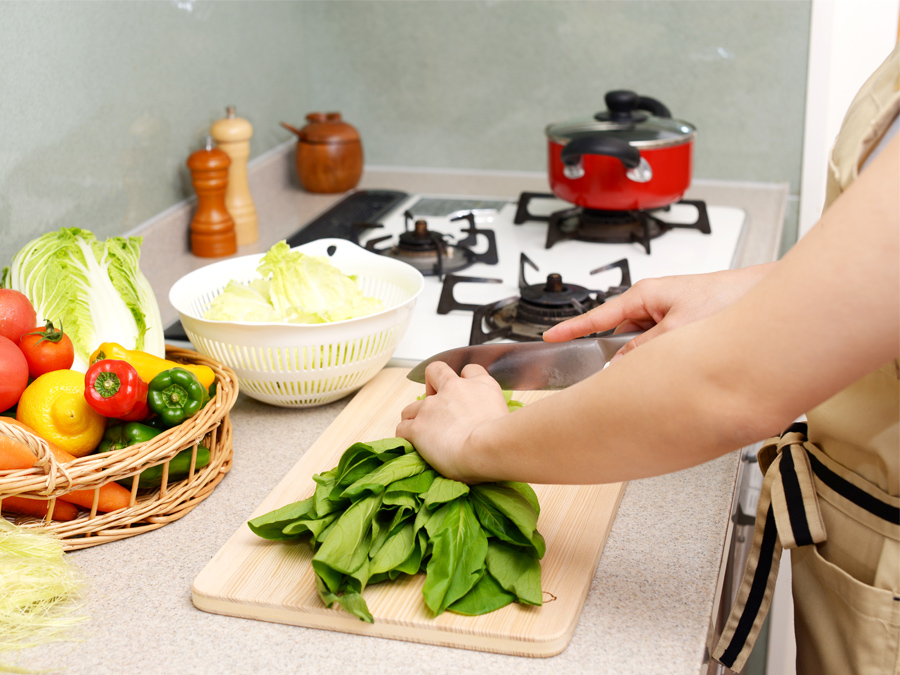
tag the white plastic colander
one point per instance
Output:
(302, 365)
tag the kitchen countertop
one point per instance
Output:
(649, 606)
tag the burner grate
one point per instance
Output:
(434, 253)
(537, 307)
(607, 227)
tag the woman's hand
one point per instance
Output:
(659, 305)
(440, 425)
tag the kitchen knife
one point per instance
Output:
(533, 365)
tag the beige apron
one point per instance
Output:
(831, 491)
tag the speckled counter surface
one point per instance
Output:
(649, 606)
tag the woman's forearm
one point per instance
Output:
(647, 414)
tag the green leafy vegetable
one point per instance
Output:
(486, 596)
(94, 288)
(293, 287)
(383, 512)
(458, 555)
(444, 490)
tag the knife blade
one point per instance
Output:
(532, 365)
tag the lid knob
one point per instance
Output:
(620, 104)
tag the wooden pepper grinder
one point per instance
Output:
(212, 228)
(232, 134)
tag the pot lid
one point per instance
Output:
(639, 120)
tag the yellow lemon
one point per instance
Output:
(54, 406)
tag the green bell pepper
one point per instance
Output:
(156, 423)
(118, 436)
(179, 467)
(175, 395)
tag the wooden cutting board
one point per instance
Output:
(273, 581)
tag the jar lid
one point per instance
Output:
(637, 120)
(327, 128)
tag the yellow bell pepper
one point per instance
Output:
(149, 366)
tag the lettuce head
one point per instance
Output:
(293, 287)
(93, 288)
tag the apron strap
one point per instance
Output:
(787, 516)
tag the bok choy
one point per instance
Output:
(94, 288)
(383, 512)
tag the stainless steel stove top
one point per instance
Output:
(678, 251)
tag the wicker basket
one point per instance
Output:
(150, 508)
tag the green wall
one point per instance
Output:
(102, 102)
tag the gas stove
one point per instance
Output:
(493, 275)
(510, 273)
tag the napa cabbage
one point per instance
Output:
(94, 289)
(293, 287)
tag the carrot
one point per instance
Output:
(59, 454)
(112, 495)
(38, 507)
(14, 454)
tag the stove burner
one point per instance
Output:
(433, 253)
(609, 227)
(537, 308)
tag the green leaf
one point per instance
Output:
(356, 452)
(526, 491)
(315, 527)
(356, 605)
(388, 444)
(395, 551)
(323, 503)
(342, 550)
(356, 582)
(402, 515)
(515, 507)
(498, 524)
(415, 484)
(486, 596)
(443, 490)
(323, 535)
(458, 554)
(272, 524)
(511, 403)
(376, 481)
(405, 499)
(359, 469)
(382, 527)
(413, 563)
(351, 602)
(516, 571)
(332, 579)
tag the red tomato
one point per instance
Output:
(46, 349)
(13, 373)
(17, 314)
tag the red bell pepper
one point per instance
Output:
(114, 389)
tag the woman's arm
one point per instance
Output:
(820, 318)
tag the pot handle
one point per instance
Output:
(600, 145)
(652, 106)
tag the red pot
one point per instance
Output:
(631, 156)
